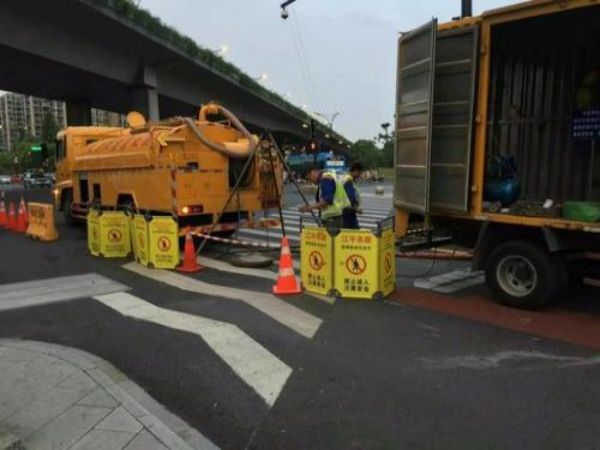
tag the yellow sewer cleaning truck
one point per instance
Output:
(182, 167)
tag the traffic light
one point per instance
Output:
(39, 153)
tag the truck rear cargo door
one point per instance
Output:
(451, 137)
(414, 100)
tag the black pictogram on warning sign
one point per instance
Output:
(316, 260)
(114, 235)
(387, 263)
(163, 243)
(356, 264)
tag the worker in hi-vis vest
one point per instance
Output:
(331, 198)
(349, 182)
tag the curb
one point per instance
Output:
(165, 426)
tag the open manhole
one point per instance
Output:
(250, 260)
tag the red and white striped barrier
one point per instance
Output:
(236, 241)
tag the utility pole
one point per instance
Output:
(467, 8)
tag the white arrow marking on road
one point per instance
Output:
(54, 290)
(284, 313)
(226, 267)
(255, 365)
(450, 282)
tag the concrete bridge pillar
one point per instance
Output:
(144, 96)
(79, 113)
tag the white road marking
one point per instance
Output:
(323, 298)
(255, 365)
(294, 318)
(591, 282)
(450, 282)
(487, 362)
(53, 290)
(374, 212)
(367, 215)
(226, 267)
(384, 196)
(448, 289)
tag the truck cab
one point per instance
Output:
(70, 143)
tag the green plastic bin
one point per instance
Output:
(582, 211)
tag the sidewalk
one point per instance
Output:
(54, 397)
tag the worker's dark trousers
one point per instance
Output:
(350, 220)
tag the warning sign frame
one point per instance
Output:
(316, 278)
(350, 247)
(162, 228)
(103, 227)
(377, 250)
(139, 239)
(387, 261)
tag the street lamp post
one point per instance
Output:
(329, 118)
(222, 50)
(262, 77)
(284, 11)
(385, 127)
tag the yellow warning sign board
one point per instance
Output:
(356, 264)
(163, 250)
(387, 262)
(139, 239)
(316, 268)
(115, 241)
(93, 232)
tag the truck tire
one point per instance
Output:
(522, 274)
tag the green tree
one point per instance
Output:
(49, 130)
(23, 153)
(387, 154)
(6, 164)
(365, 151)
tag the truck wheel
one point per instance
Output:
(522, 275)
(67, 207)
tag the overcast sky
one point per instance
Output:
(350, 47)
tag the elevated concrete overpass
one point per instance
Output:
(97, 53)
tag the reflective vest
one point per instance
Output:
(349, 179)
(340, 199)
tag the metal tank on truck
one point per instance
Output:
(182, 167)
(497, 120)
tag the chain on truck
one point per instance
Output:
(497, 118)
(181, 167)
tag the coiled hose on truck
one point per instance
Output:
(231, 150)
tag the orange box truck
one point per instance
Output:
(516, 86)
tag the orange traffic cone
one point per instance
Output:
(23, 205)
(11, 220)
(190, 262)
(21, 224)
(286, 281)
(2, 214)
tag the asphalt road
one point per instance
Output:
(416, 371)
